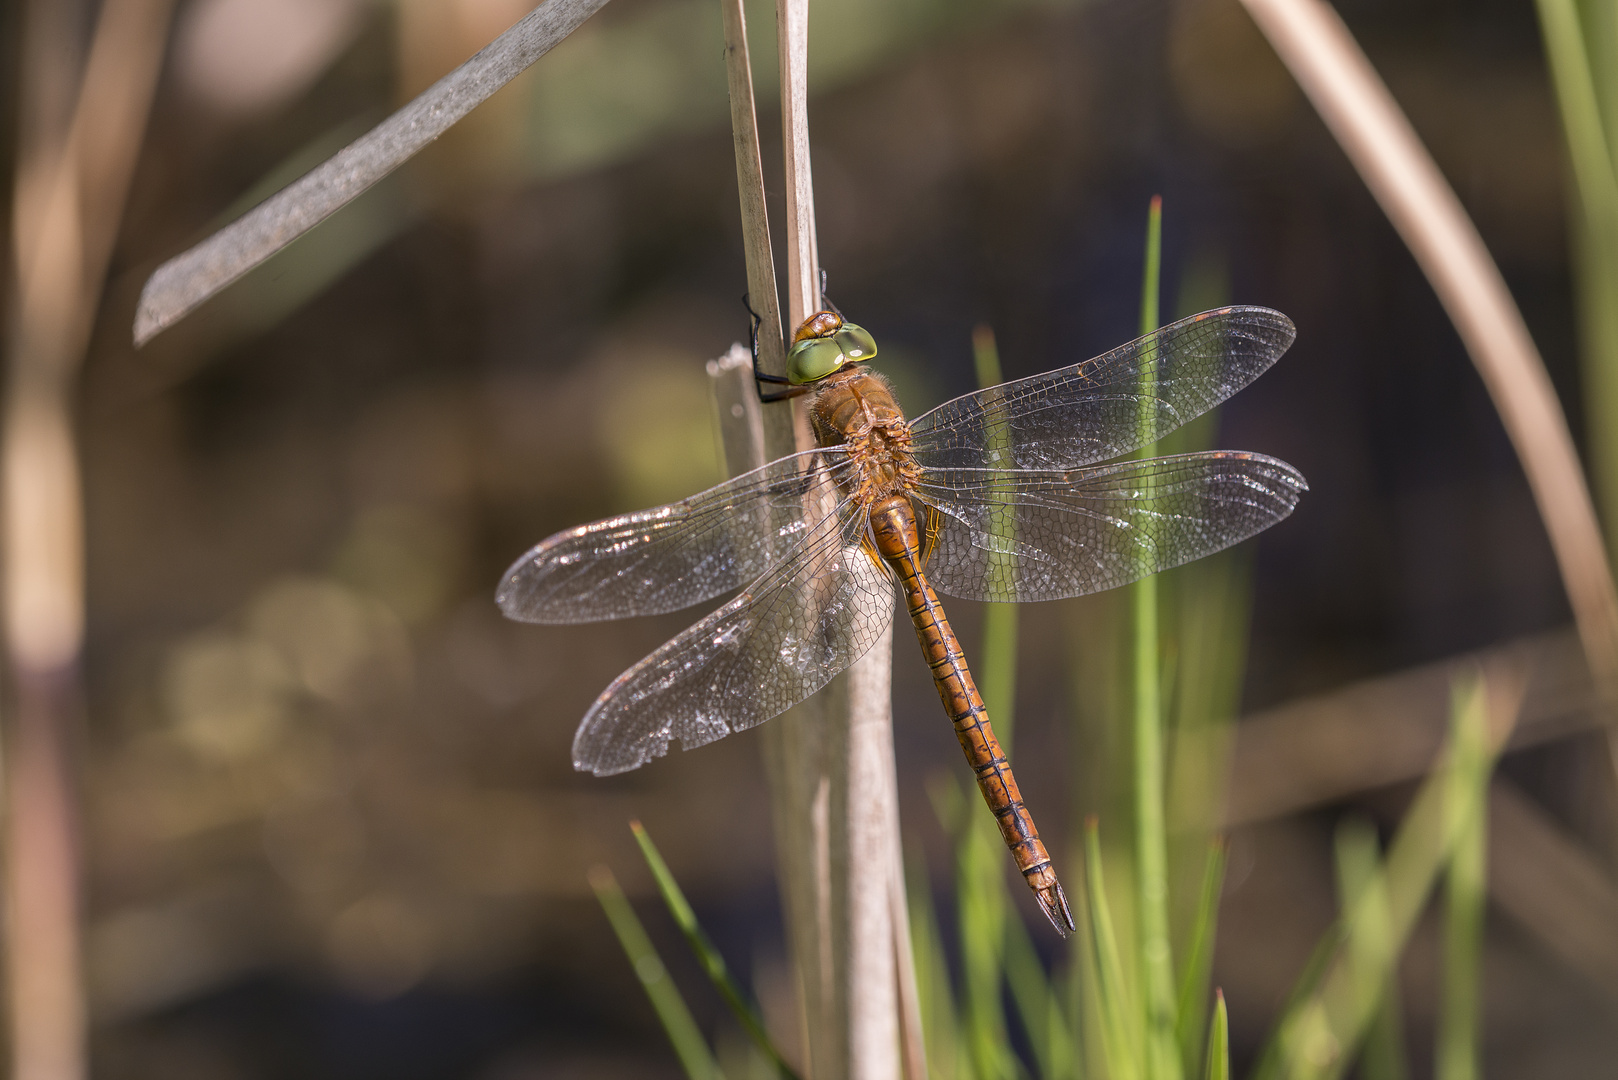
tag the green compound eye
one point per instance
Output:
(815, 358)
(856, 343)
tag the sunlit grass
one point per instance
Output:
(707, 954)
(1322, 1031)
(682, 1030)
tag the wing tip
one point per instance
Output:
(1258, 314)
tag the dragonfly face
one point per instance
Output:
(1002, 495)
(824, 344)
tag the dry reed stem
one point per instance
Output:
(1322, 55)
(830, 760)
(803, 258)
(180, 285)
(68, 200)
(793, 744)
(864, 810)
(1384, 731)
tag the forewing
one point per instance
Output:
(1108, 406)
(669, 557)
(1044, 535)
(779, 641)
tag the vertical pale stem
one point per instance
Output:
(830, 760)
(794, 744)
(870, 804)
(912, 1038)
(863, 812)
(67, 202)
(803, 260)
(43, 547)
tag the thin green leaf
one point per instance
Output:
(1273, 1057)
(1156, 961)
(1357, 855)
(1320, 1036)
(1199, 955)
(1151, 291)
(1218, 1063)
(1036, 1003)
(996, 667)
(1458, 1020)
(940, 1024)
(707, 954)
(1116, 1003)
(981, 898)
(692, 1050)
(984, 903)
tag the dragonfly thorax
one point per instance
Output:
(855, 408)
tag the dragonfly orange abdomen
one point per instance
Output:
(855, 409)
(896, 538)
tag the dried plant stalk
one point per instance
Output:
(180, 285)
(71, 185)
(1317, 47)
(830, 760)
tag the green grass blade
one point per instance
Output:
(981, 899)
(986, 357)
(1458, 1030)
(1151, 291)
(1199, 956)
(996, 667)
(1325, 1030)
(939, 1022)
(1272, 1059)
(1116, 1004)
(1156, 962)
(707, 954)
(1218, 1065)
(984, 902)
(689, 1046)
(1370, 950)
(1067, 1057)
(1038, 1007)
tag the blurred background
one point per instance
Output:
(330, 825)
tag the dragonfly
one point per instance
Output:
(1009, 494)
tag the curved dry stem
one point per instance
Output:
(1327, 62)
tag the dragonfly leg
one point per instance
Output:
(826, 301)
(762, 377)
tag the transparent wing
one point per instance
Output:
(669, 557)
(1108, 406)
(1044, 535)
(779, 641)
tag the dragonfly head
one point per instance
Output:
(824, 344)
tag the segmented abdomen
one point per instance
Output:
(895, 536)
